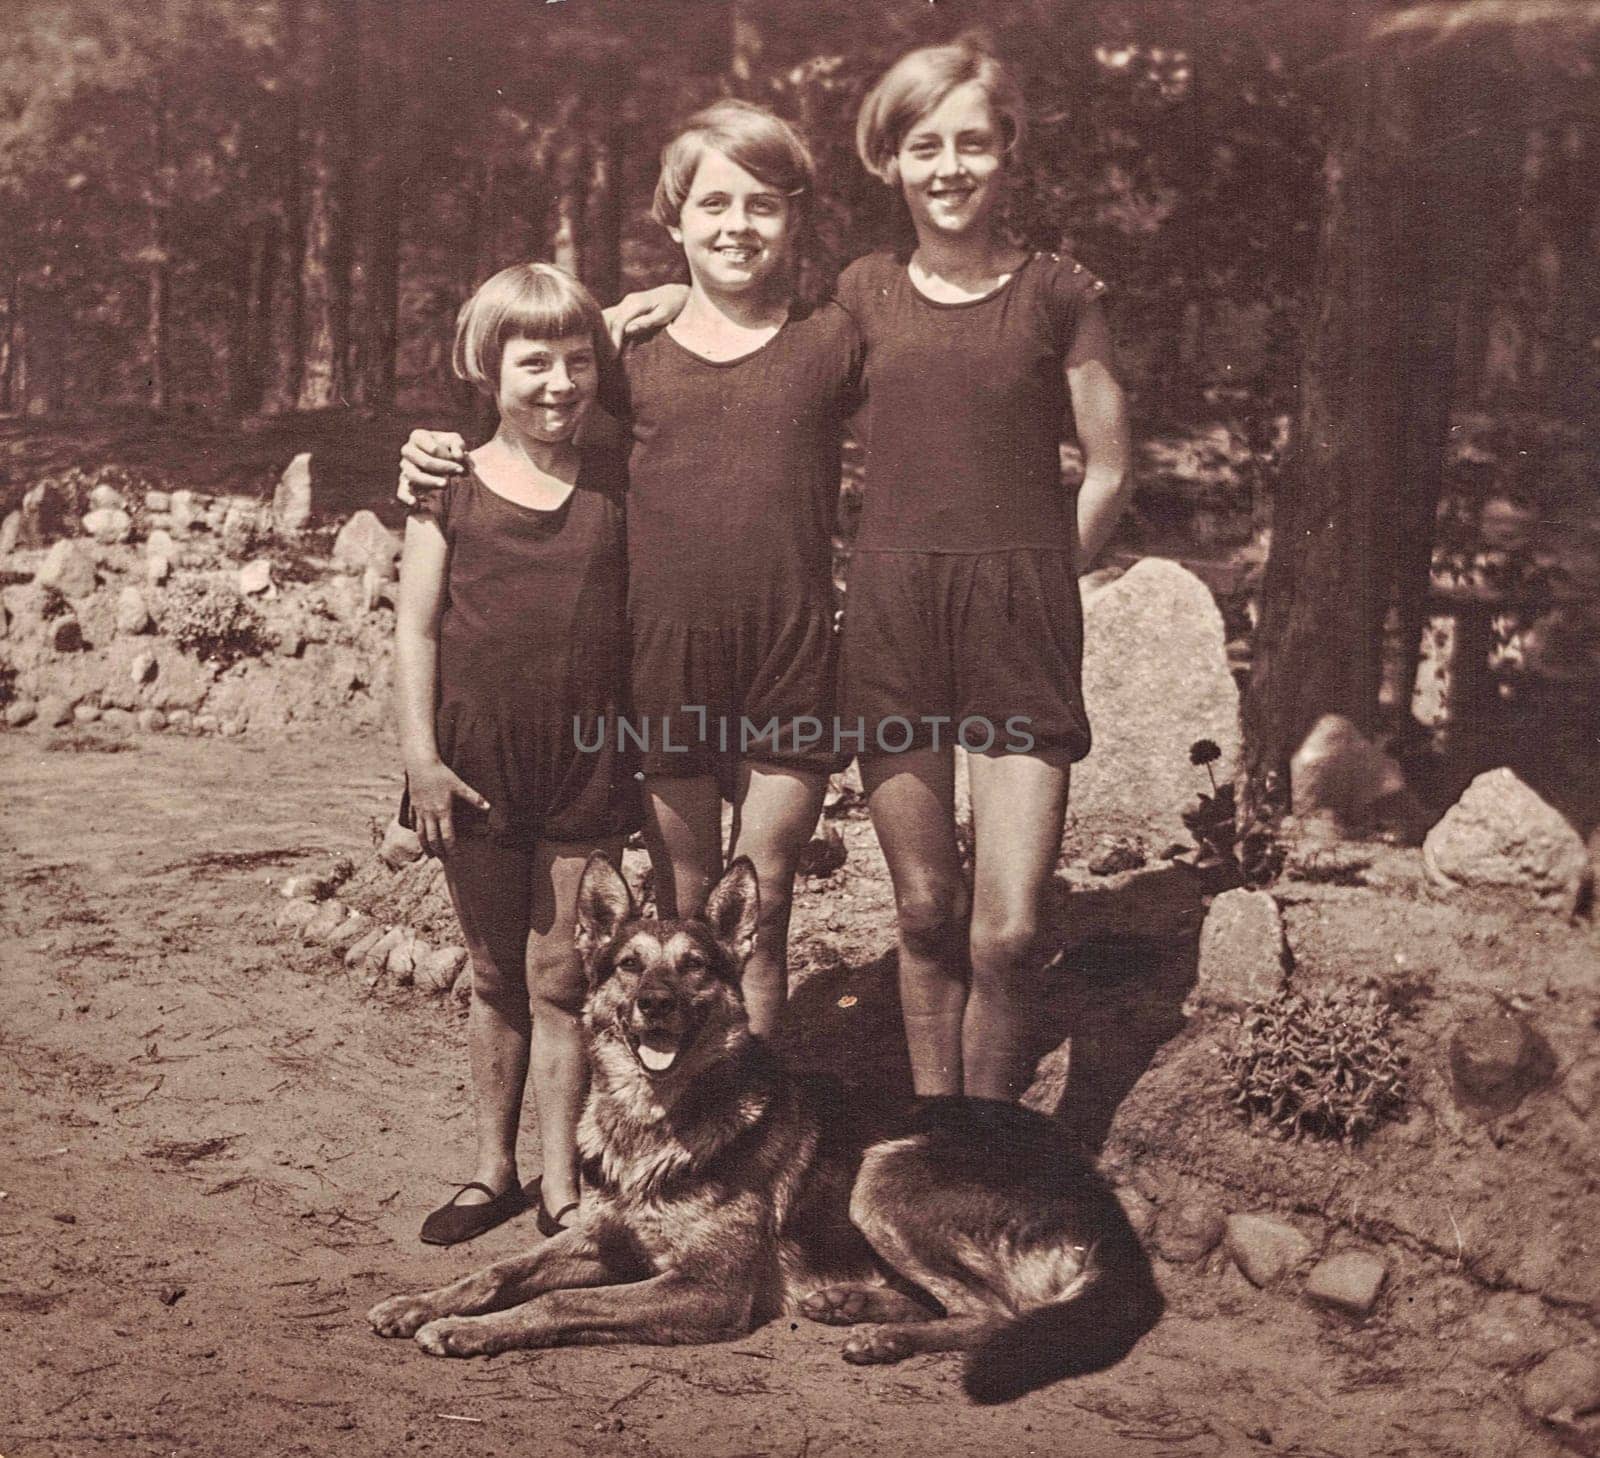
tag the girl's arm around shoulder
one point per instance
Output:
(1101, 412)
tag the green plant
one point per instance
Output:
(210, 619)
(1320, 1063)
(1256, 853)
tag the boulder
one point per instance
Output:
(291, 498)
(55, 710)
(1496, 1061)
(107, 498)
(1564, 1386)
(365, 542)
(1155, 680)
(349, 931)
(330, 916)
(1342, 778)
(133, 616)
(400, 846)
(45, 513)
(157, 501)
(1188, 1230)
(1243, 956)
(438, 971)
(68, 568)
(240, 528)
(108, 525)
(1500, 837)
(1349, 1282)
(183, 511)
(1264, 1248)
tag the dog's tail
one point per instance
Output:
(1091, 1330)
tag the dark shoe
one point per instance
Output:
(451, 1223)
(550, 1224)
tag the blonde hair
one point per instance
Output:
(525, 301)
(765, 145)
(917, 83)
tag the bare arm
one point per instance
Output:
(428, 460)
(648, 309)
(433, 785)
(1101, 412)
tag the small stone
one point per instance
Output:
(1349, 1281)
(10, 532)
(181, 720)
(116, 718)
(54, 711)
(1117, 853)
(291, 499)
(238, 528)
(1264, 1248)
(1188, 1230)
(1495, 1062)
(255, 577)
(356, 953)
(144, 668)
(45, 512)
(437, 972)
(378, 953)
(65, 635)
(152, 721)
(296, 914)
(108, 525)
(106, 498)
(305, 887)
(401, 963)
(155, 501)
(20, 712)
(1339, 776)
(330, 916)
(1243, 956)
(348, 932)
(364, 542)
(1511, 1331)
(133, 616)
(68, 568)
(86, 714)
(157, 570)
(340, 869)
(160, 544)
(1580, 1086)
(400, 846)
(206, 724)
(824, 853)
(1564, 1386)
(231, 728)
(1140, 1212)
(182, 510)
(171, 1295)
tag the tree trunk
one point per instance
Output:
(603, 216)
(325, 266)
(375, 279)
(745, 45)
(8, 346)
(158, 257)
(285, 313)
(566, 231)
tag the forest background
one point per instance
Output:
(1370, 222)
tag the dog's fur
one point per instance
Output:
(723, 1191)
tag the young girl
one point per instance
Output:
(735, 412)
(963, 609)
(510, 653)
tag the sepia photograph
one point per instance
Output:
(782, 728)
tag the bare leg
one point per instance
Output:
(489, 885)
(912, 801)
(775, 813)
(1019, 802)
(559, 1066)
(684, 833)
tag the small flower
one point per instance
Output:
(1204, 751)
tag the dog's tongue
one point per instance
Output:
(658, 1052)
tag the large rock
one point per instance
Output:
(1263, 1248)
(365, 542)
(133, 613)
(106, 498)
(1340, 777)
(1501, 837)
(1155, 679)
(1243, 957)
(68, 568)
(108, 525)
(256, 577)
(291, 498)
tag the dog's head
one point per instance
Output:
(666, 991)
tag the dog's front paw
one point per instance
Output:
(457, 1336)
(836, 1305)
(401, 1316)
(881, 1345)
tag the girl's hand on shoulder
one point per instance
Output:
(428, 460)
(648, 309)
(435, 788)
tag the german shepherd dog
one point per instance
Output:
(721, 1193)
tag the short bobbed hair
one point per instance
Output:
(917, 83)
(525, 301)
(765, 145)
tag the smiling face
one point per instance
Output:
(951, 164)
(547, 385)
(736, 231)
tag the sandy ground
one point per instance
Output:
(215, 1153)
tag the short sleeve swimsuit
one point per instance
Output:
(963, 622)
(734, 482)
(533, 659)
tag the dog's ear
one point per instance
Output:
(734, 907)
(604, 905)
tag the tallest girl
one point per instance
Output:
(963, 615)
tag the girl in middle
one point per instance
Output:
(736, 410)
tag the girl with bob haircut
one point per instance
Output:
(509, 639)
(736, 409)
